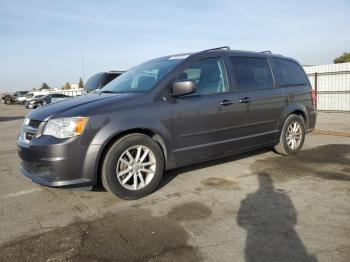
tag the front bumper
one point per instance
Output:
(58, 163)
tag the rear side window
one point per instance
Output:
(251, 73)
(289, 72)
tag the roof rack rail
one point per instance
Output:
(217, 48)
(267, 51)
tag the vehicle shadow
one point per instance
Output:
(269, 217)
(309, 162)
(172, 174)
(10, 118)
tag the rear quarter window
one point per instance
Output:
(288, 72)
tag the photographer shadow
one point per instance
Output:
(269, 217)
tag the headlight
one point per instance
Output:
(26, 121)
(65, 127)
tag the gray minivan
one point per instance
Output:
(165, 113)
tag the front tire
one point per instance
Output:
(133, 167)
(292, 136)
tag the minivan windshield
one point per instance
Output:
(143, 77)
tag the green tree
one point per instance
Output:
(44, 86)
(66, 86)
(81, 83)
(345, 57)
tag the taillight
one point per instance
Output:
(313, 97)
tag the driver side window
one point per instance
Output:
(208, 74)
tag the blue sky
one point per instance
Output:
(42, 41)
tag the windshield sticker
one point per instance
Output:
(178, 57)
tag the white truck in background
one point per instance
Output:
(30, 95)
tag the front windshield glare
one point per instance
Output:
(143, 77)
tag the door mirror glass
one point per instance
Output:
(183, 87)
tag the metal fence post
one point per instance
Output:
(315, 85)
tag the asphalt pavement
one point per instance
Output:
(257, 206)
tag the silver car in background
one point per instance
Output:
(44, 100)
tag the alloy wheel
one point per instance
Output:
(294, 135)
(136, 167)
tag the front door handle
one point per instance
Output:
(245, 100)
(226, 102)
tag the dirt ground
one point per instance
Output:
(257, 206)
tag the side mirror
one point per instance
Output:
(183, 87)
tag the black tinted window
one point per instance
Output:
(108, 78)
(289, 72)
(251, 72)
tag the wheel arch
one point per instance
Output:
(297, 109)
(145, 131)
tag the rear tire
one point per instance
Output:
(292, 136)
(133, 167)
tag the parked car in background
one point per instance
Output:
(21, 99)
(5, 97)
(166, 113)
(11, 99)
(99, 80)
(30, 102)
(30, 95)
(47, 99)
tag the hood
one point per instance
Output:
(86, 103)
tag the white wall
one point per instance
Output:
(333, 86)
(69, 92)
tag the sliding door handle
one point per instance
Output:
(245, 100)
(226, 102)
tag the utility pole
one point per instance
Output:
(82, 63)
